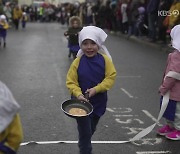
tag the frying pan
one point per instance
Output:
(74, 103)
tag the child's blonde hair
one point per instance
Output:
(75, 18)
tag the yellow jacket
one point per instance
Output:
(13, 134)
(17, 13)
(174, 18)
(4, 25)
(72, 77)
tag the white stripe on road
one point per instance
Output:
(109, 109)
(72, 142)
(128, 76)
(127, 93)
(153, 152)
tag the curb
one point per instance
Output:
(165, 48)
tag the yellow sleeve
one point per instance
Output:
(72, 79)
(174, 18)
(6, 26)
(13, 134)
(110, 75)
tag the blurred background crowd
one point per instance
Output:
(152, 19)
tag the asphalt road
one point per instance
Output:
(34, 66)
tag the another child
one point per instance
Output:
(72, 35)
(24, 20)
(172, 114)
(11, 134)
(91, 72)
(3, 29)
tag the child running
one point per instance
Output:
(72, 35)
(171, 129)
(91, 72)
(3, 29)
(24, 20)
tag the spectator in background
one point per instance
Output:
(152, 10)
(163, 6)
(174, 18)
(140, 21)
(132, 16)
(17, 14)
(124, 16)
(8, 12)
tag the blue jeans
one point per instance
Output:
(86, 128)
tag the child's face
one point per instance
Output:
(75, 24)
(89, 47)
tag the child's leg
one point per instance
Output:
(175, 135)
(85, 133)
(94, 122)
(4, 40)
(177, 117)
(70, 52)
(74, 54)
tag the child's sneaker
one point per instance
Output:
(165, 130)
(175, 135)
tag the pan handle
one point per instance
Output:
(86, 95)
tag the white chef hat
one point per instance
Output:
(8, 107)
(175, 35)
(3, 17)
(97, 35)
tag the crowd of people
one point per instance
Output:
(151, 18)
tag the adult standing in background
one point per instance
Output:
(163, 6)
(174, 18)
(8, 12)
(152, 11)
(17, 14)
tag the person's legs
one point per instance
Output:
(175, 135)
(85, 133)
(177, 117)
(86, 128)
(94, 122)
(152, 26)
(4, 40)
(74, 53)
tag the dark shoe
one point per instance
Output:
(4, 44)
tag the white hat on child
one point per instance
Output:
(8, 107)
(3, 17)
(175, 35)
(97, 35)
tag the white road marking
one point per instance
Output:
(71, 142)
(125, 115)
(127, 93)
(153, 152)
(129, 76)
(151, 116)
(109, 109)
(128, 121)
